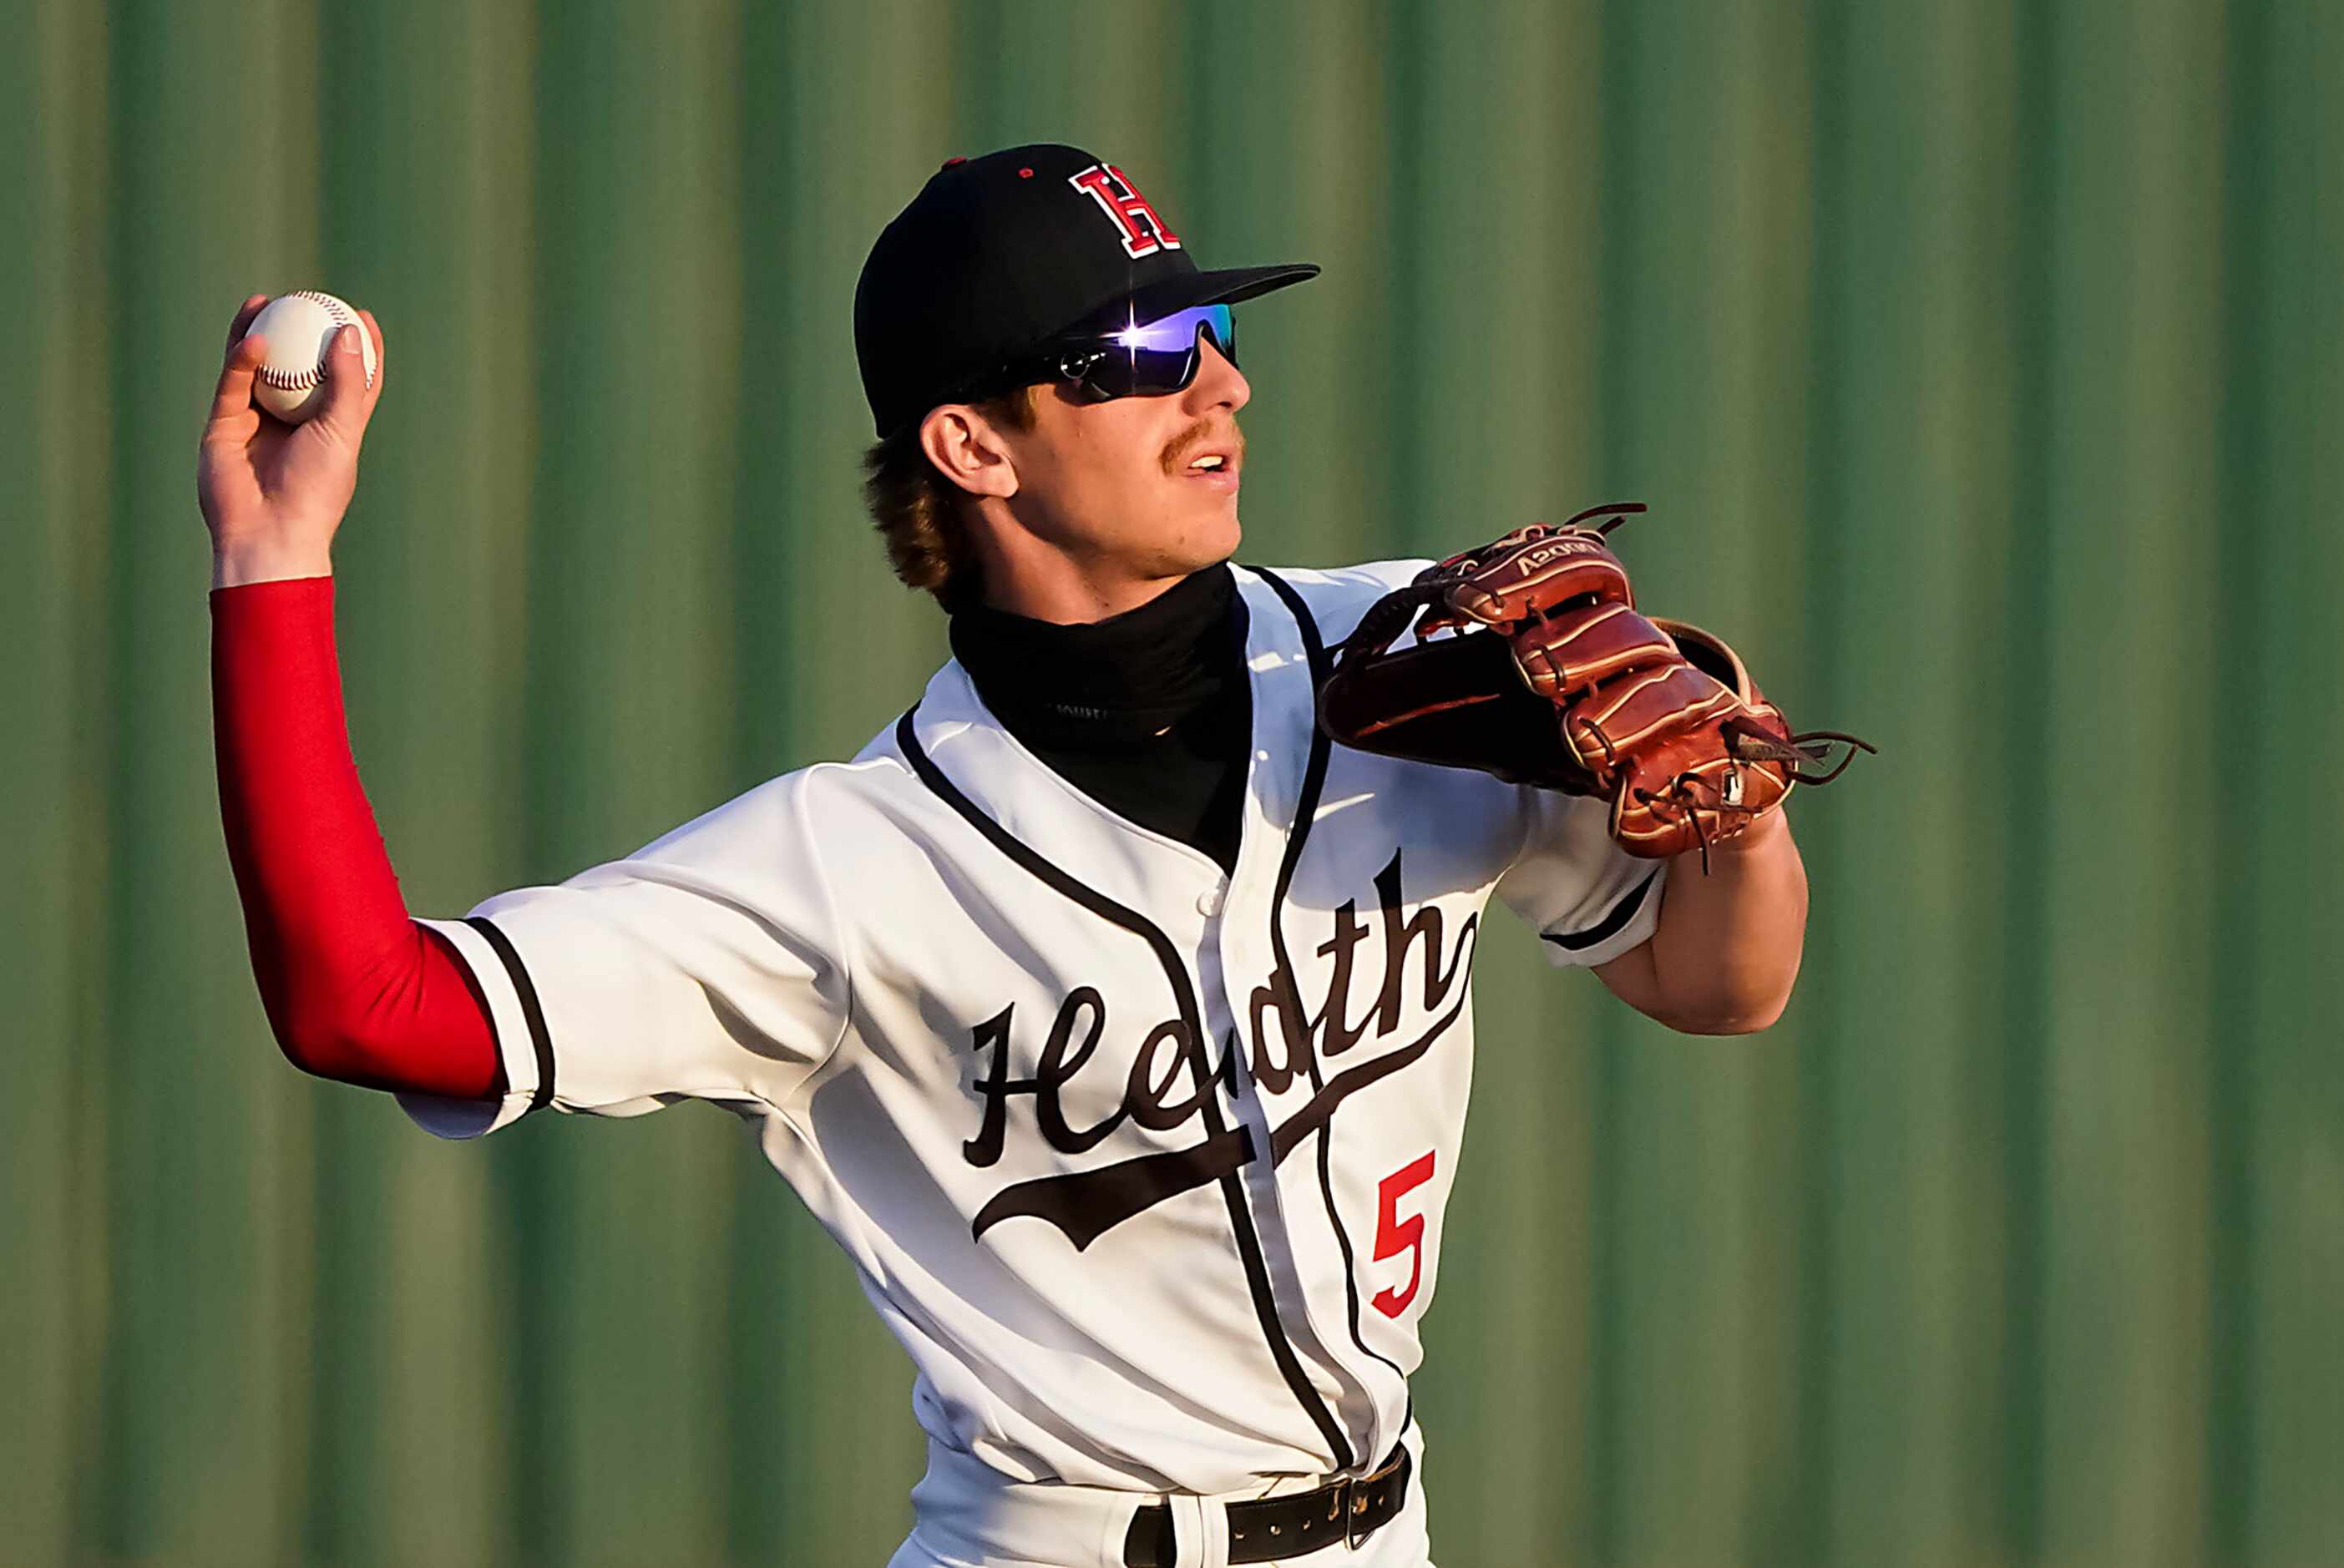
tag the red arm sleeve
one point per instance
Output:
(354, 990)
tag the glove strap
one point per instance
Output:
(1750, 742)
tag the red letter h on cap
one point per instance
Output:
(1121, 200)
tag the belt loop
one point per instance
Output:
(1200, 1531)
(1339, 1515)
(1353, 1500)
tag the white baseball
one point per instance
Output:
(299, 327)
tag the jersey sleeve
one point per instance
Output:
(707, 965)
(1588, 900)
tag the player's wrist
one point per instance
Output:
(237, 562)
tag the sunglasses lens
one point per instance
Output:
(1153, 357)
(1176, 333)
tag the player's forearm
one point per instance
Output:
(353, 988)
(1727, 948)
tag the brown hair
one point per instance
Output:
(919, 511)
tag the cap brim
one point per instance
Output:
(1226, 287)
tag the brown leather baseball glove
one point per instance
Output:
(1532, 662)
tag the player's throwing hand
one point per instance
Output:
(273, 494)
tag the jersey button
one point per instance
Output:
(1209, 903)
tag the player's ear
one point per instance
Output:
(968, 449)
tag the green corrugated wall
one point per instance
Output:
(1980, 362)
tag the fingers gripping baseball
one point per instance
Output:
(351, 391)
(272, 494)
(233, 417)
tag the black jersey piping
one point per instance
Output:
(1610, 926)
(541, 1040)
(1248, 1241)
(1306, 808)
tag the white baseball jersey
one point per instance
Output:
(1144, 1165)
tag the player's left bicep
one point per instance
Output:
(1635, 979)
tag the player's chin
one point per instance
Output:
(1217, 534)
(1200, 526)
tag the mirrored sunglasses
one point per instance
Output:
(1144, 358)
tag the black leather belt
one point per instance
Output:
(1267, 1529)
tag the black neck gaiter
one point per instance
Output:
(1147, 711)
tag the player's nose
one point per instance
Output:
(1219, 383)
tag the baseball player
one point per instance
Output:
(1115, 1019)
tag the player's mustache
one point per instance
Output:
(1177, 455)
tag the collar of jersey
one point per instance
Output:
(1016, 789)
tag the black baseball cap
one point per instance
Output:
(1001, 254)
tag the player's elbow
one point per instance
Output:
(392, 1025)
(1714, 1009)
(353, 1057)
(326, 1037)
(318, 1045)
(1730, 1020)
(1702, 1002)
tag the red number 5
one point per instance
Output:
(1395, 1236)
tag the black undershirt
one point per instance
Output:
(1148, 712)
